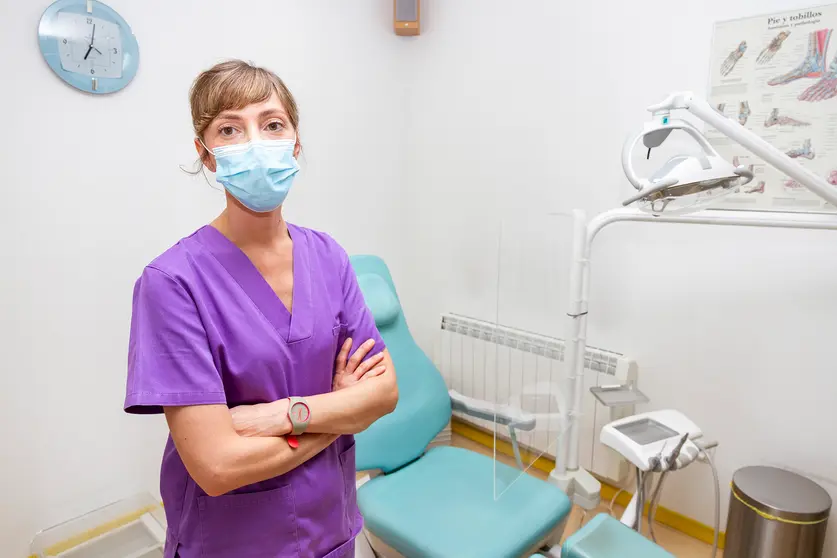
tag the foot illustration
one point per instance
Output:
(770, 50)
(804, 152)
(775, 120)
(826, 88)
(758, 189)
(733, 58)
(813, 65)
(743, 112)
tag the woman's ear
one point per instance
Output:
(297, 148)
(205, 156)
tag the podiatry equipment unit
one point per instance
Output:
(658, 442)
(686, 183)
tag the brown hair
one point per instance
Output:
(233, 85)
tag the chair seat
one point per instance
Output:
(443, 505)
(606, 537)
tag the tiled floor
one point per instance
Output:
(675, 542)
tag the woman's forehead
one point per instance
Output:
(272, 105)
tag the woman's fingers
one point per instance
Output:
(367, 365)
(246, 420)
(359, 355)
(377, 371)
(340, 364)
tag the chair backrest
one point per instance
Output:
(423, 408)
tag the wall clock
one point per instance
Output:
(88, 45)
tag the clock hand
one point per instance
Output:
(92, 37)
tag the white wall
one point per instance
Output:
(523, 107)
(92, 192)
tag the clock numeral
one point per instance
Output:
(89, 20)
(115, 52)
(92, 71)
(65, 41)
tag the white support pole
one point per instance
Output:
(567, 474)
(575, 342)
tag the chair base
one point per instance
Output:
(552, 541)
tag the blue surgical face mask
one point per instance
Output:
(259, 173)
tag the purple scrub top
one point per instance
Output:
(208, 329)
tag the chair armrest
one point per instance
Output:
(499, 414)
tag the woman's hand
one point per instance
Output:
(262, 419)
(349, 371)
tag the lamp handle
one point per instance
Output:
(744, 173)
(627, 150)
(653, 135)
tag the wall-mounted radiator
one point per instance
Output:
(509, 366)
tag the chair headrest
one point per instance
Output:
(379, 298)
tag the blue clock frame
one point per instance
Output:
(49, 37)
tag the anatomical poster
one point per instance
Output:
(776, 75)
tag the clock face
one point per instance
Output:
(90, 45)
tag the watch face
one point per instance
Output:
(300, 412)
(89, 45)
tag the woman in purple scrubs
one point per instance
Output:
(241, 334)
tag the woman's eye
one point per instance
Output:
(275, 126)
(227, 131)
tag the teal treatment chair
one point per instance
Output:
(439, 503)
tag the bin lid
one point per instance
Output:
(782, 493)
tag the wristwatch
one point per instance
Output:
(299, 414)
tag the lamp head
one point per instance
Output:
(685, 183)
(696, 182)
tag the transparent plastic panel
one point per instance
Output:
(133, 527)
(526, 379)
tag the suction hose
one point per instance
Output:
(658, 490)
(717, 503)
(652, 508)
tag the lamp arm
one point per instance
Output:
(754, 144)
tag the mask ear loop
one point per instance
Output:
(202, 166)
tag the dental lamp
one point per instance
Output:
(684, 184)
(688, 183)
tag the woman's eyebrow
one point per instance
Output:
(228, 115)
(270, 112)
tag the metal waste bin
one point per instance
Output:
(775, 513)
